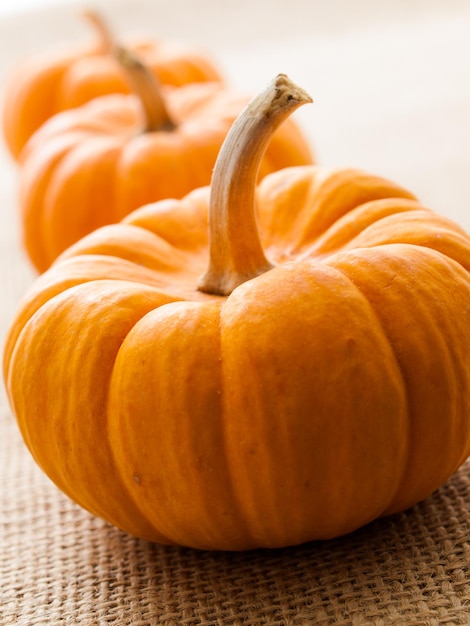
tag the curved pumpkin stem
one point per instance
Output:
(105, 37)
(236, 254)
(143, 83)
(147, 88)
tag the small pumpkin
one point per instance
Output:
(251, 366)
(68, 76)
(93, 165)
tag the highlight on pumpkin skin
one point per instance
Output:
(236, 254)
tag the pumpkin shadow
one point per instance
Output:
(404, 568)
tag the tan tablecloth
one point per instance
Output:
(392, 94)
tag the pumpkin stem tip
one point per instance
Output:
(286, 90)
(99, 24)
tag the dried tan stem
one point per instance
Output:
(100, 26)
(147, 88)
(236, 254)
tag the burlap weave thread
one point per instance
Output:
(61, 566)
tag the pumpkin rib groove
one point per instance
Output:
(197, 435)
(142, 269)
(105, 429)
(412, 300)
(342, 234)
(276, 450)
(25, 99)
(318, 217)
(64, 438)
(96, 160)
(80, 270)
(335, 193)
(404, 383)
(441, 236)
(36, 179)
(243, 519)
(223, 442)
(154, 534)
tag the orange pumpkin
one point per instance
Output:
(93, 165)
(315, 378)
(68, 76)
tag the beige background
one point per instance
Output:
(391, 86)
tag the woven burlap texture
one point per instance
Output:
(60, 565)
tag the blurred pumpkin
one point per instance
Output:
(315, 378)
(93, 165)
(68, 76)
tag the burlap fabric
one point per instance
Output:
(61, 566)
